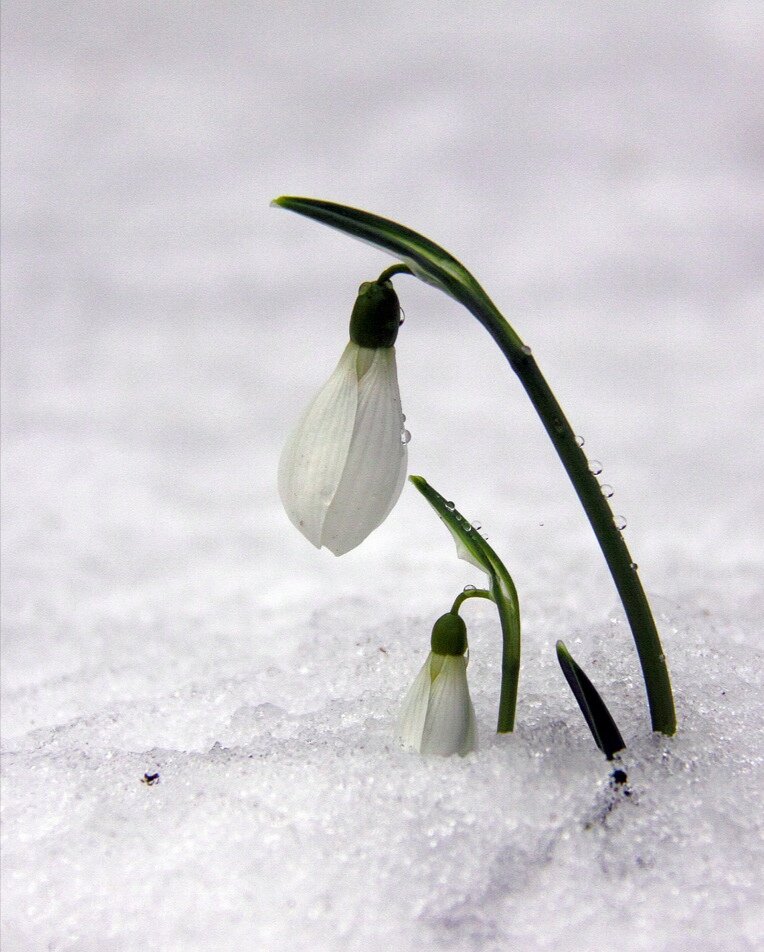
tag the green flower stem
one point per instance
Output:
(392, 271)
(469, 593)
(598, 511)
(436, 266)
(505, 595)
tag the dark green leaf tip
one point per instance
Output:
(427, 260)
(599, 719)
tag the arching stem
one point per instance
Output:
(470, 593)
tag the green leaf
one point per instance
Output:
(473, 548)
(470, 545)
(427, 260)
(604, 730)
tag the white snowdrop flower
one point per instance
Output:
(437, 715)
(344, 466)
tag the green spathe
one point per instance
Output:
(449, 635)
(376, 315)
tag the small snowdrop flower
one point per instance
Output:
(437, 715)
(344, 466)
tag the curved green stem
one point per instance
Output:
(622, 567)
(470, 593)
(436, 266)
(392, 271)
(509, 618)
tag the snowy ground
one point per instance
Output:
(599, 168)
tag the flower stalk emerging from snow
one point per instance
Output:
(474, 548)
(344, 466)
(437, 715)
(434, 265)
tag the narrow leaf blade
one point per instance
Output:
(470, 545)
(427, 260)
(604, 729)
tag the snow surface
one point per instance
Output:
(598, 166)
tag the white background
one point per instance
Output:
(598, 167)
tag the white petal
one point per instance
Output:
(450, 724)
(313, 460)
(470, 740)
(375, 469)
(414, 709)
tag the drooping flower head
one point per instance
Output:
(344, 466)
(437, 716)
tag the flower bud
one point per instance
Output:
(437, 716)
(449, 635)
(376, 315)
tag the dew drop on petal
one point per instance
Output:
(607, 490)
(620, 523)
(595, 467)
(476, 526)
(580, 441)
(633, 566)
(405, 437)
(470, 588)
(526, 350)
(450, 506)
